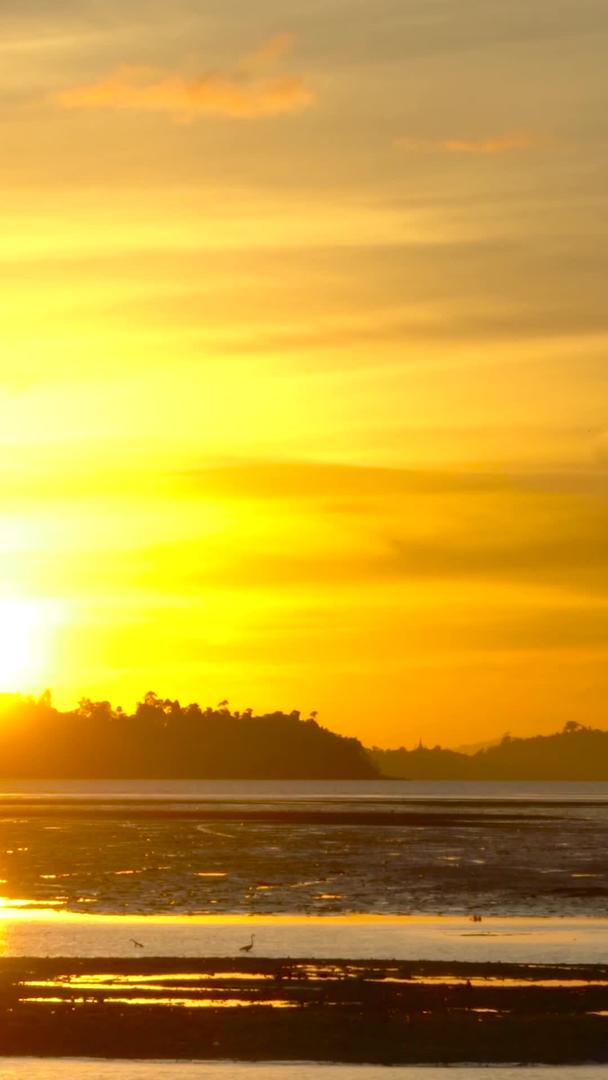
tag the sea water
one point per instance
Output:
(81, 1069)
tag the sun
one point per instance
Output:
(22, 651)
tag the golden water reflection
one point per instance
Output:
(489, 981)
(172, 989)
(188, 1003)
(94, 982)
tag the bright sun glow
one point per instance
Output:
(22, 644)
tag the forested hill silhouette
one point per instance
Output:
(165, 740)
(162, 739)
(575, 753)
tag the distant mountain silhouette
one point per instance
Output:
(165, 740)
(472, 748)
(575, 753)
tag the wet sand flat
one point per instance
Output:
(326, 857)
(258, 1009)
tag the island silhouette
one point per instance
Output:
(162, 739)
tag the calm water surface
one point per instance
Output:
(79, 1069)
(540, 941)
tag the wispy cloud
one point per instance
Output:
(250, 90)
(46, 42)
(269, 53)
(320, 480)
(549, 529)
(494, 144)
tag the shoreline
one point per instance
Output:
(241, 811)
(26, 909)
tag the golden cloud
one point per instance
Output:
(247, 92)
(496, 144)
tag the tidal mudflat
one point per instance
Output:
(387, 929)
(321, 855)
(249, 1009)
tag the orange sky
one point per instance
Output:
(303, 396)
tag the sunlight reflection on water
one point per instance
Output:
(174, 1002)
